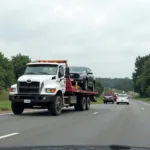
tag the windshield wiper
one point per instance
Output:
(44, 73)
(29, 73)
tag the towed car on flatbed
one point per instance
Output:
(46, 84)
(84, 76)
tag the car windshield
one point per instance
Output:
(77, 69)
(122, 95)
(41, 69)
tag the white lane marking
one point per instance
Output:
(144, 103)
(95, 113)
(8, 135)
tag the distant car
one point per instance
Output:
(122, 98)
(84, 76)
(115, 97)
(108, 97)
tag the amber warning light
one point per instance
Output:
(51, 61)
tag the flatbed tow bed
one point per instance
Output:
(54, 102)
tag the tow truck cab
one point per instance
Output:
(44, 79)
(46, 84)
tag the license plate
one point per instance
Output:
(27, 101)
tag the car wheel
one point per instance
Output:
(85, 85)
(93, 87)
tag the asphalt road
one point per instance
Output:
(102, 125)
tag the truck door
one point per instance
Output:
(61, 78)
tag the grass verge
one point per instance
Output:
(99, 101)
(147, 99)
(4, 102)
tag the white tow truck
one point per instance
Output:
(46, 84)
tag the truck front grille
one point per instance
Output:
(28, 88)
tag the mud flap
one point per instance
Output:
(93, 99)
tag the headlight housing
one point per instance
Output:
(12, 90)
(50, 90)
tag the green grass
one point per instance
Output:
(4, 102)
(147, 99)
(99, 101)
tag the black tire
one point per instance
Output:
(56, 106)
(113, 102)
(17, 108)
(81, 103)
(117, 103)
(85, 86)
(76, 107)
(88, 103)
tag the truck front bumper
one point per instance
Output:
(31, 98)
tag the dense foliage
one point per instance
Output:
(10, 70)
(141, 76)
(124, 84)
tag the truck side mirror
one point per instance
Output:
(67, 72)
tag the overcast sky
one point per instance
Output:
(105, 35)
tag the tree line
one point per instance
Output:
(141, 76)
(124, 84)
(12, 69)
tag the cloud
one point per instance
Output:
(105, 35)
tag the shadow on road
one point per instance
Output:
(45, 112)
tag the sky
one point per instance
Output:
(104, 35)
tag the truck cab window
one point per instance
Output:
(41, 69)
(61, 72)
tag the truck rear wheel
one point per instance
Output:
(56, 106)
(80, 104)
(88, 103)
(83, 104)
(17, 108)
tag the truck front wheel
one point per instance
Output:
(17, 108)
(56, 106)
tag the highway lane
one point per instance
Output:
(102, 125)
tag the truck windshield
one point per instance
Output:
(77, 69)
(41, 69)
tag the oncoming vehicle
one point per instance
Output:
(122, 98)
(84, 76)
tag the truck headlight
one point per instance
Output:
(12, 90)
(50, 90)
